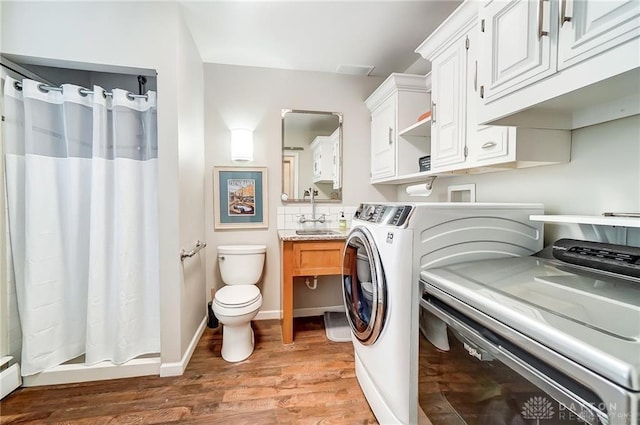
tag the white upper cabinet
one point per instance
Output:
(322, 150)
(395, 106)
(459, 144)
(591, 27)
(514, 57)
(486, 144)
(448, 97)
(447, 49)
(561, 64)
(383, 147)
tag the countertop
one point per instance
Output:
(290, 235)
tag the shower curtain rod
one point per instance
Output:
(82, 91)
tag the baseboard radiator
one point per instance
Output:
(9, 377)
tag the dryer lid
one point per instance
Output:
(237, 295)
(590, 317)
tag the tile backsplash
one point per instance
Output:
(289, 216)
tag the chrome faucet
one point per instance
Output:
(312, 193)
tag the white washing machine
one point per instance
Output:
(387, 248)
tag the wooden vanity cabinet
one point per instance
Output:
(305, 258)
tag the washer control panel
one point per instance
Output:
(390, 215)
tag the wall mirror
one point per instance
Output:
(311, 155)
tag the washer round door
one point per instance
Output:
(364, 286)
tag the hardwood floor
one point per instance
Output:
(309, 382)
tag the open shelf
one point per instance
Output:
(420, 129)
(589, 219)
(617, 223)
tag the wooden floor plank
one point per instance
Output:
(309, 382)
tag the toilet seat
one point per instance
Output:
(237, 296)
(237, 300)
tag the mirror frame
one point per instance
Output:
(284, 113)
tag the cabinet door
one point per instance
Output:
(335, 150)
(448, 108)
(519, 47)
(487, 145)
(317, 165)
(589, 27)
(383, 135)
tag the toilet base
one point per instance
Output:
(237, 342)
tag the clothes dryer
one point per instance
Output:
(387, 248)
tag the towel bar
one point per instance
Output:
(199, 245)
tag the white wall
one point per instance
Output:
(191, 180)
(4, 304)
(253, 98)
(603, 175)
(4, 284)
(138, 35)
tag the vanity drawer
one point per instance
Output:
(317, 258)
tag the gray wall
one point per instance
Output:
(253, 98)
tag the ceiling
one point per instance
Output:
(316, 35)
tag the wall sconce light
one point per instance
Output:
(241, 144)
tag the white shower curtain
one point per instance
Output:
(83, 223)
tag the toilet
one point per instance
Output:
(238, 301)
(363, 268)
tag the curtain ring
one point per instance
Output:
(130, 97)
(104, 93)
(83, 92)
(42, 89)
(17, 85)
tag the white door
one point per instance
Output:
(290, 174)
(383, 136)
(518, 38)
(448, 98)
(589, 27)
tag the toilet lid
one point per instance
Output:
(237, 295)
(242, 249)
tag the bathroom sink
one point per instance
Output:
(316, 232)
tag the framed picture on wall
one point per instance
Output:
(240, 197)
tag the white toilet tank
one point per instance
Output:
(241, 264)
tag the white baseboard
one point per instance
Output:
(177, 368)
(9, 380)
(298, 312)
(79, 372)
(268, 315)
(68, 373)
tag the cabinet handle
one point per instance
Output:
(433, 112)
(541, 31)
(390, 135)
(564, 15)
(475, 78)
(488, 145)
